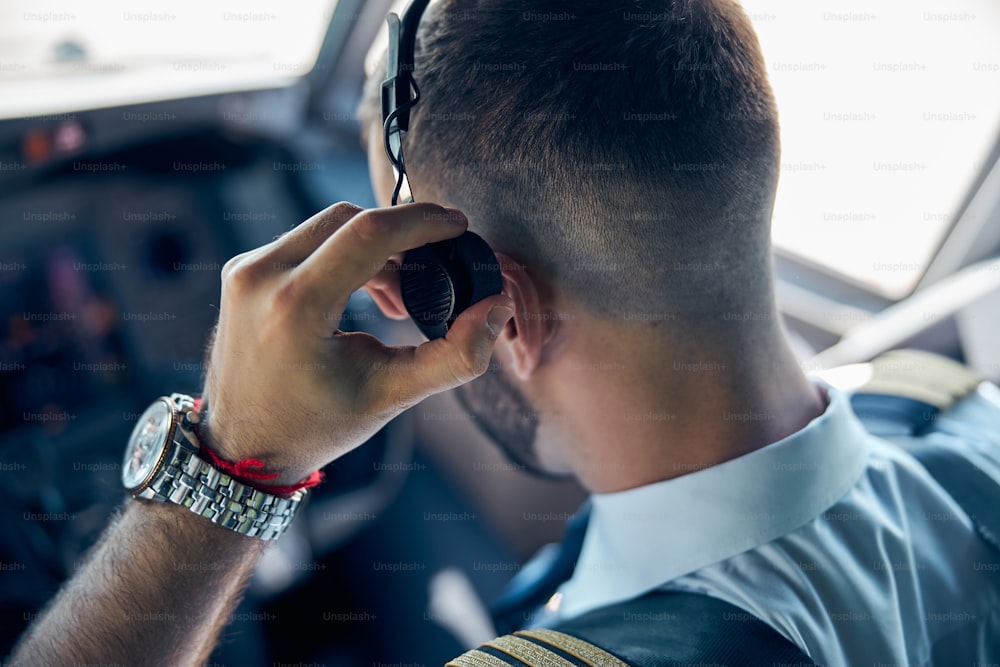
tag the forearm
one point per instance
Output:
(156, 590)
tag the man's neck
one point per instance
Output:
(652, 417)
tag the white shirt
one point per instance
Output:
(839, 540)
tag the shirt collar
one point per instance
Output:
(642, 538)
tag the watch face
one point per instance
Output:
(145, 447)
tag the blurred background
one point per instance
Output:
(142, 145)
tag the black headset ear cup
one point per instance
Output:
(440, 280)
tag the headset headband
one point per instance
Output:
(437, 281)
(399, 91)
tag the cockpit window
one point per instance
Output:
(58, 57)
(888, 112)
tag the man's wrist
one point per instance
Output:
(257, 469)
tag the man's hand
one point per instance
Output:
(284, 385)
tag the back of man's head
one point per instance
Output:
(626, 151)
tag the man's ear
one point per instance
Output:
(526, 333)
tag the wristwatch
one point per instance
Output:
(162, 464)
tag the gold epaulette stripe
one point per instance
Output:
(579, 649)
(923, 376)
(477, 658)
(527, 652)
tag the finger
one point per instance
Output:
(385, 291)
(292, 247)
(357, 251)
(442, 364)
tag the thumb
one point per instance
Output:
(464, 353)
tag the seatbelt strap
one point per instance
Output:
(535, 583)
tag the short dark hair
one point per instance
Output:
(627, 150)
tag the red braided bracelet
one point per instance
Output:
(251, 471)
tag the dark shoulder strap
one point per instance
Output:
(661, 629)
(675, 628)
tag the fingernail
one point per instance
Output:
(497, 318)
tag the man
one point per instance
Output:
(622, 160)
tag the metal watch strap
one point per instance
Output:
(188, 480)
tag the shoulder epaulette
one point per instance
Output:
(922, 376)
(659, 629)
(537, 648)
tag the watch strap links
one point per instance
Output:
(188, 480)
